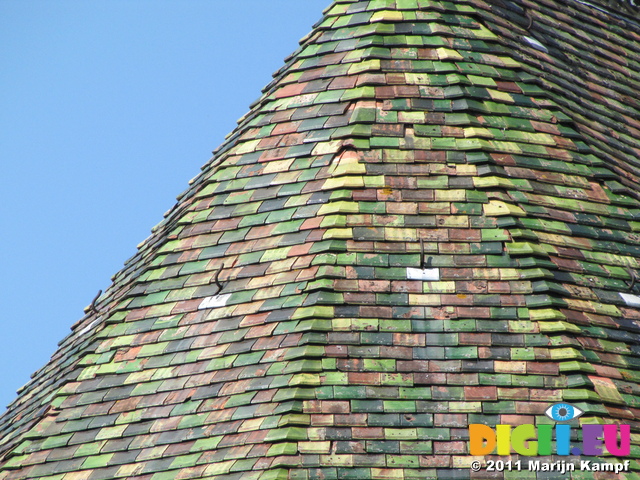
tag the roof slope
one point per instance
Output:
(429, 219)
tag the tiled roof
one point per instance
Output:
(612, 6)
(429, 219)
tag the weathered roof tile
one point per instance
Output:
(271, 327)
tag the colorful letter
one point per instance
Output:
(592, 440)
(482, 439)
(522, 434)
(611, 437)
(504, 439)
(563, 439)
(544, 439)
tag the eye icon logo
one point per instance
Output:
(563, 412)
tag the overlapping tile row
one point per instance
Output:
(409, 232)
(589, 60)
(629, 7)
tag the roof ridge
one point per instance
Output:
(416, 227)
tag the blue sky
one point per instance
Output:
(107, 109)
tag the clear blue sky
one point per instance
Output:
(107, 109)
